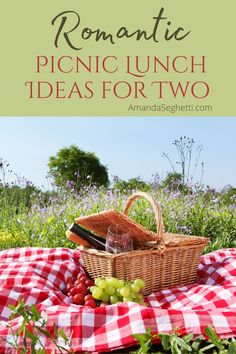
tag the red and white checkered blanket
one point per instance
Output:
(38, 276)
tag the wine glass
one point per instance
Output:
(118, 240)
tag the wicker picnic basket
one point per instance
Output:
(163, 260)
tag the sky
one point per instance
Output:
(129, 147)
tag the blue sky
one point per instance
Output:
(130, 147)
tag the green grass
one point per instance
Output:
(29, 217)
(36, 219)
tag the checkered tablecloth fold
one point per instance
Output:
(38, 276)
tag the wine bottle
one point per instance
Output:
(93, 240)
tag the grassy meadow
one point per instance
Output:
(32, 217)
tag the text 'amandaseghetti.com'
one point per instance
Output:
(172, 109)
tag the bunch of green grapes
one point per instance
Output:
(112, 290)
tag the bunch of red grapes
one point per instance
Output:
(78, 290)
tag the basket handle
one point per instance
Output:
(156, 208)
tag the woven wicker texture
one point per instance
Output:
(175, 240)
(100, 222)
(177, 266)
(173, 260)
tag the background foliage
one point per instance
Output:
(30, 216)
(37, 218)
(74, 167)
(33, 217)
